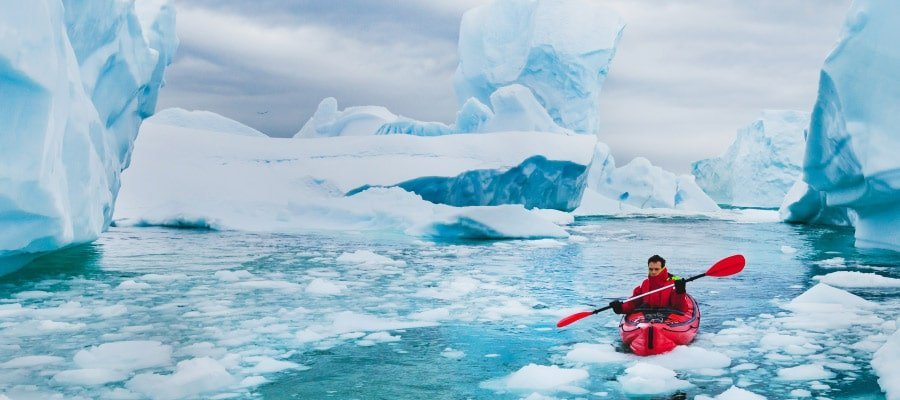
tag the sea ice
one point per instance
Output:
(595, 353)
(643, 379)
(733, 393)
(884, 362)
(545, 377)
(125, 355)
(805, 373)
(191, 378)
(853, 279)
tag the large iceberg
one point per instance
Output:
(761, 165)
(560, 50)
(205, 120)
(77, 78)
(197, 177)
(851, 150)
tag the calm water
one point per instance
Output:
(451, 319)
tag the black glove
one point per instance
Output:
(616, 306)
(680, 285)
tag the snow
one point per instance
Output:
(73, 100)
(853, 279)
(203, 120)
(642, 379)
(188, 177)
(761, 165)
(561, 51)
(851, 146)
(884, 362)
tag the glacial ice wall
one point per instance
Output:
(761, 164)
(854, 135)
(77, 78)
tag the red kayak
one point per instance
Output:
(649, 331)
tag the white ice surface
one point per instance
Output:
(644, 379)
(201, 120)
(884, 362)
(854, 279)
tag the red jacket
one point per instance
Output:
(664, 298)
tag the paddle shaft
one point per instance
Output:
(649, 293)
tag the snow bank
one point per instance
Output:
(73, 99)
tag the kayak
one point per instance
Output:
(649, 331)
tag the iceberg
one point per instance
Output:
(328, 121)
(638, 185)
(77, 80)
(560, 50)
(852, 145)
(761, 165)
(417, 185)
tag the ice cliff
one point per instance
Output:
(77, 78)
(851, 149)
(761, 165)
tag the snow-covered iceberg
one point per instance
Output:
(77, 78)
(761, 165)
(560, 50)
(853, 141)
(184, 176)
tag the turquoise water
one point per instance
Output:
(456, 317)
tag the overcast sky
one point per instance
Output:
(686, 74)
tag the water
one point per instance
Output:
(444, 320)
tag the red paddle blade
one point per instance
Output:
(727, 266)
(572, 318)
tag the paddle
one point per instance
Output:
(725, 267)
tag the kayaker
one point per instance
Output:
(657, 277)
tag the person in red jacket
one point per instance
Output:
(657, 276)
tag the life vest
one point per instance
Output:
(664, 298)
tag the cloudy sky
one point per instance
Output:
(686, 75)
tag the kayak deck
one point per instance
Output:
(649, 331)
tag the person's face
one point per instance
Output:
(654, 268)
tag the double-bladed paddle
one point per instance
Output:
(725, 267)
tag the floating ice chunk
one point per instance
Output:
(538, 396)
(9, 310)
(378, 337)
(544, 377)
(130, 284)
(884, 362)
(368, 257)
(41, 327)
(648, 379)
(436, 314)
(267, 365)
(788, 250)
(191, 378)
(163, 277)
(853, 279)
(252, 381)
(744, 367)
(233, 276)
(555, 216)
(452, 353)
(324, 287)
(822, 295)
(684, 358)
(327, 121)
(32, 294)
(269, 284)
(805, 373)
(800, 393)
(593, 203)
(89, 376)
(545, 243)
(349, 321)
(111, 311)
(775, 340)
(125, 355)
(31, 361)
(733, 393)
(451, 290)
(593, 353)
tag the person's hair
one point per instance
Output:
(658, 259)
